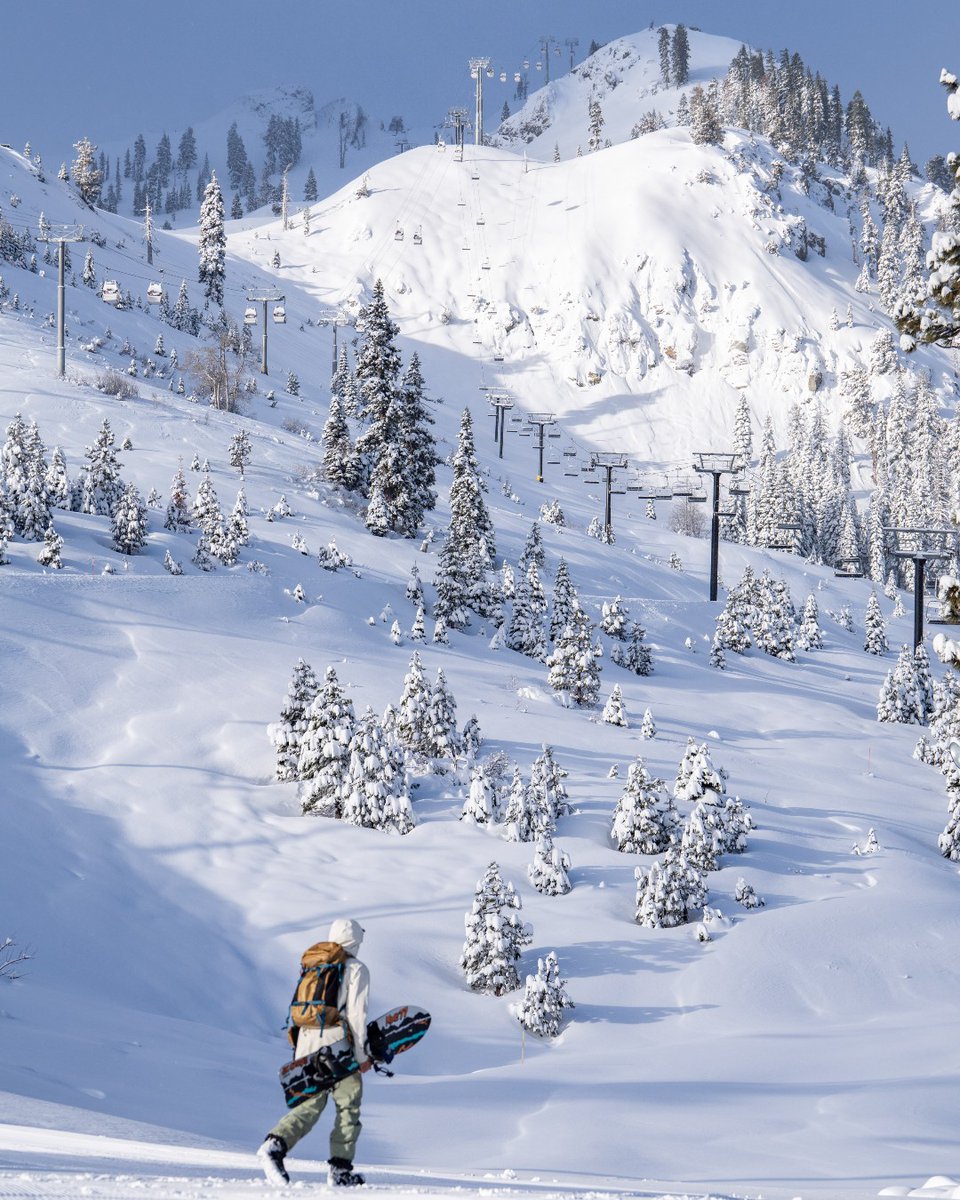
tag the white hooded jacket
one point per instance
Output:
(351, 1000)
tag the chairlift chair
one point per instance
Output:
(503, 77)
(154, 292)
(498, 357)
(418, 237)
(250, 316)
(480, 220)
(280, 315)
(398, 235)
(485, 265)
(110, 291)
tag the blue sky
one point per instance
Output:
(124, 66)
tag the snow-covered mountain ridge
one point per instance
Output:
(161, 871)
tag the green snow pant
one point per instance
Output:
(346, 1126)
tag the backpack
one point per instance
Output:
(314, 1002)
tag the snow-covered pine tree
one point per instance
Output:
(527, 812)
(469, 550)
(508, 582)
(441, 737)
(548, 871)
(340, 466)
(924, 681)
(574, 671)
(471, 737)
(49, 555)
(938, 321)
(900, 699)
(544, 999)
(418, 631)
(376, 374)
(613, 619)
(775, 617)
(241, 448)
(213, 243)
(614, 711)
(376, 790)
(326, 734)
(645, 820)
(699, 775)
(237, 528)
(546, 777)
(648, 728)
(178, 518)
(56, 481)
(287, 732)
(414, 592)
(565, 601)
(413, 711)
(130, 522)
(101, 485)
(480, 806)
(809, 634)
(874, 628)
(495, 936)
(525, 631)
(662, 901)
(416, 451)
(634, 654)
(533, 550)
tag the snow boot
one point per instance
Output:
(342, 1174)
(271, 1155)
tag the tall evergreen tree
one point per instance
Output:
(326, 735)
(213, 243)
(287, 733)
(495, 936)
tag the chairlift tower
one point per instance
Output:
(265, 299)
(920, 546)
(608, 463)
(477, 68)
(545, 43)
(571, 44)
(501, 403)
(62, 235)
(541, 422)
(716, 464)
(336, 318)
(457, 118)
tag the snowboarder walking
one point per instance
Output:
(330, 1001)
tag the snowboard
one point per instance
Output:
(387, 1036)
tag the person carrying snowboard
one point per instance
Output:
(330, 1002)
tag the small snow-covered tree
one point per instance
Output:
(874, 628)
(648, 728)
(614, 711)
(546, 777)
(286, 733)
(613, 620)
(809, 634)
(528, 812)
(130, 522)
(634, 654)
(495, 936)
(645, 820)
(574, 670)
(376, 790)
(544, 999)
(900, 699)
(326, 734)
(241, 449)
(49, 555)
(698, 775)
(414, 709)
(441, 739)
(480, 806)
(548, 871)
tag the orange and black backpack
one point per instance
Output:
(314, 1003)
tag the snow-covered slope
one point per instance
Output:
(624, 77)
(167, 884)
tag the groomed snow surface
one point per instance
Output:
(167, 885)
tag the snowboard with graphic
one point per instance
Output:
(387, 1036)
